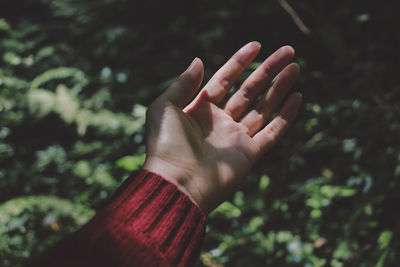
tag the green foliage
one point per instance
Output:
(59, 73)
(131, 163)
(75, 77)
(29, 225)
(59, 141)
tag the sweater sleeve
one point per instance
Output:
(148, 222)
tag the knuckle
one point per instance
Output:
(230, 111)
(274, 133)
(277, 129)
(267, 69)
(224, 82)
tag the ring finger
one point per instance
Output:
(264, 108)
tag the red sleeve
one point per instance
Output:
(148, 222)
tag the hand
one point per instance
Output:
(207, 147)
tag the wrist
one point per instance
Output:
(179, 176)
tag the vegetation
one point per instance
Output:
(75, 77)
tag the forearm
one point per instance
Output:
(148, 222)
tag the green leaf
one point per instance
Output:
(347, 192)
(66, 104)
(58, 73)
(384, 239)
(40, 102)
(131, 163)
(102, 177)
(342, 251)
(284, 236)
(264, 182)
(82, 168)
(228, 210)
(4, 26)
(12, 59)
(255, 223)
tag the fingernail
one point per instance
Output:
(192, 64)
(258, 43)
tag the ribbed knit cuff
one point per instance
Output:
(150, 221)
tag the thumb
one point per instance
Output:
(186, 86)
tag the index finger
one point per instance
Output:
(223, 79)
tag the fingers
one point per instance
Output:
(264, 108)
(224, 78)
(186, 86)
(258, 81)
(268, 136)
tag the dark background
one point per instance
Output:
(75, 77)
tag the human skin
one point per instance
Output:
(205, 146)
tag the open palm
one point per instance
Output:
(207, 147)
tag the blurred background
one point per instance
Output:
(76, 76)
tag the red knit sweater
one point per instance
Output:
(148, 222)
